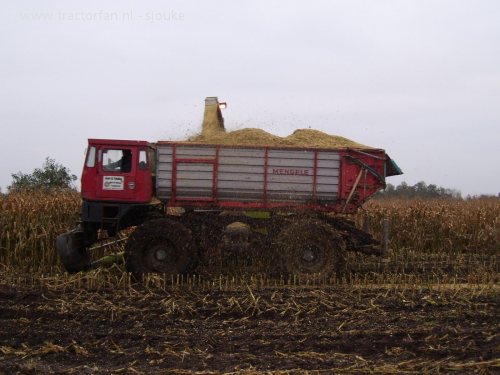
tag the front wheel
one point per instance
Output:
(72, 251)
(160, 246)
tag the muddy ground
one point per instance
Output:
(348, 329)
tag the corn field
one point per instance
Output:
(421, 230)
(444, 226)
(29, 225)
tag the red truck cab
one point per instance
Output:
(118, 171)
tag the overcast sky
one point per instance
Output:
(420, 79)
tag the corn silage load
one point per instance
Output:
(259, 137)
(214, 132)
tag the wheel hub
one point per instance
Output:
(308, 256)
(161, 258)
(160, 255)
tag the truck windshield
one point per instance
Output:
(114, 160)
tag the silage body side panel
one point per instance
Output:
(238, 174)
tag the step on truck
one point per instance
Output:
(180, 200)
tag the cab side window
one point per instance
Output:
(90, 163)
(143, 159)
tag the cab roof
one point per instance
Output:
(117, 142)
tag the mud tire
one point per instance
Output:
(311, 246)
(160, 246)
(72, 252)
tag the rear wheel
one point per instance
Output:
(311, 246)
(160, 246)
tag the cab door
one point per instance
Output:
(117, 168)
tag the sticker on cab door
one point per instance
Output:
(112, 183)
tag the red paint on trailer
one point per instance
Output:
(266, 171)
(174, 172)
(215, 176)
(315, 176)
(370, 184)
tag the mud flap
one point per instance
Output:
(72, 252)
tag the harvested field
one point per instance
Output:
(249, 329)
(431, 306)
